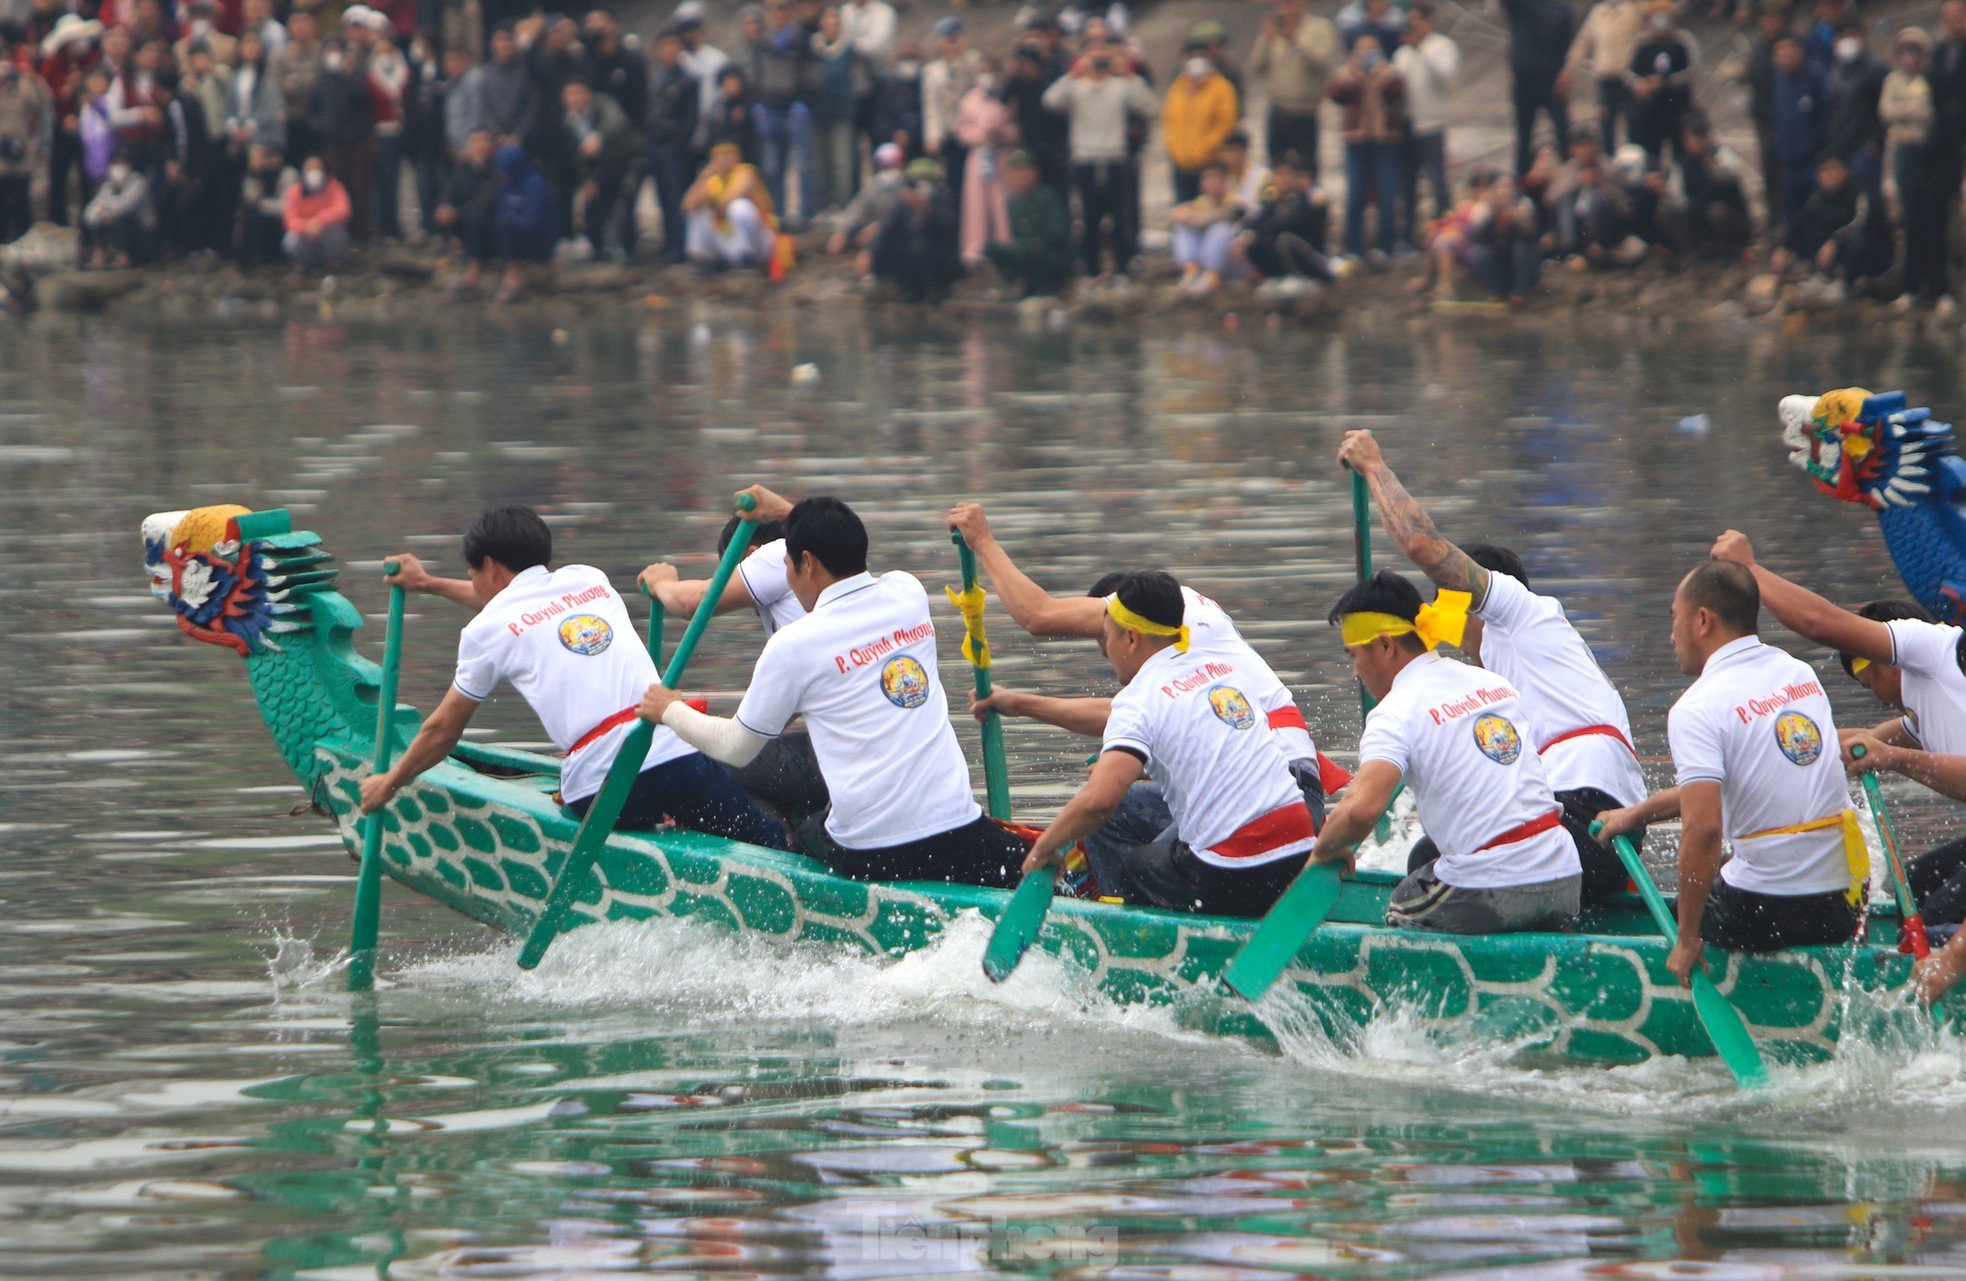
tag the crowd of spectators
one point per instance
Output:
(303, 130)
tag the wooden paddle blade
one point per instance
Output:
(1729, 1034)
(1277, 940)
(1018, 926)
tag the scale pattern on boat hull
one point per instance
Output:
(490, 848)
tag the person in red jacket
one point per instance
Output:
(316, 213)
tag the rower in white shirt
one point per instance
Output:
(860, 668)
(1908, 663)
(1498, 859)
(564, 640)
(1577, 718)
(1187, 717)
(1754, 752)
(785, 777)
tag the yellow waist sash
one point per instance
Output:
(1855, 853)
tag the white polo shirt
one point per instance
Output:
(1529, 642)
(1193, 722)
(861, 669)
(1758, 723)
(1212, 631)
(1458, 736)
(564, 640)
(1934, 690)
(763, 572)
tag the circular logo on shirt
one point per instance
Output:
(904, 682)
(1497, 739)
(1231, 708)
(586, 634)
(1798, 738)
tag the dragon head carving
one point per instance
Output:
(211, 566)
(1865, 448)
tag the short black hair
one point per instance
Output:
(1880, 611)
(1383, 593)
(1497, 560)
(1153, 594)
(831, 531)
(768, 531)
(1106, 584)
(512, 536)
(1727, 589)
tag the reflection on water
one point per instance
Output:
(184, 1090)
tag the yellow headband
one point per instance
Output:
(1858, 666)
(1442, 621)
(1145, 626)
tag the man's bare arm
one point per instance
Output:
(1408, 524)
(1030, 606)
(411, 576)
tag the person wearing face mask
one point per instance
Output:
(987, 132)
(1661, 73)
(1373, 95)
(201, 31)
(1197, 116)
(341, 113)
(317, 214)
(1854, 84)
(120, 220)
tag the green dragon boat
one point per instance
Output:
(483, 834)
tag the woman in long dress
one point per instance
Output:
(985, 126)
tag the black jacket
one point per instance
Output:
(186, 139)
(672, 106)
(1540, 32)
(340, 108)
(623, 76)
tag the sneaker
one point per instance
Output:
(1944, 307)
(1903, 303)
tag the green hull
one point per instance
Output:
(483, 835)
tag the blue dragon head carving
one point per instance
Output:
(220, 586)
(1872, 450)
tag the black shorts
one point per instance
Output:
(1744, 921)
(977, 853)
(784, 778)
(1168, 874)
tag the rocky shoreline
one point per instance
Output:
(402, 282)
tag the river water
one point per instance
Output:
(186, 1091)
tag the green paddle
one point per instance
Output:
(1282, 932)
(1914, 923)
(996, 775)
(363, 929)
(1722, 1021)
(655, 629)
(606, 809)
(1362, 566)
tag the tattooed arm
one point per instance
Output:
(1407, 522)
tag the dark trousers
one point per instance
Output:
(1924, 198)
(353, 163)
(785, 778)
(1614, 100)
(433, 175)
(1938, 883)
(977, 853)
(64, 161)
(1371, 167)
(1167, 874)
(1510, 271)
(16, 215)
(1533, 93)
(955, 168)
(1294, 131)
(1743, 921)
(259, 238)
(699, 794)
(388, 185)
(669, 165)
(1187, 184)
(1426, 156)
(1104, 213)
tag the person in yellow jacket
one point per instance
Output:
(1200, 112)
(732, 222)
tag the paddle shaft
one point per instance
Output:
(1362, 565)
(1914, 922)
(996, 774)
(655, 630)
(605, 811)
(367, 922)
